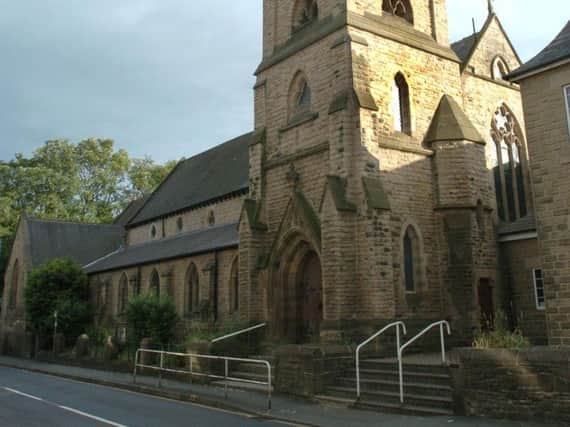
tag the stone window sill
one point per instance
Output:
(299, 120)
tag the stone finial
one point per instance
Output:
(491, 7)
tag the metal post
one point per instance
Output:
(357, 374)
(135, 370)
(401, 375)
(226, 378)
(160, 371)
(54, 332)
(442, 343)
(268, 387)
(191, 372)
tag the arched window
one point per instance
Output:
(399, 8)
(153, 231)
(401, 104)
(509, 176)
(300, 96)
(211, 219)
(155, 284)
(14, 285)
(123, 293)
(234, 287)
(499, 68)
(192, 289)
(180, 224)
(305, 13)
(412, 259)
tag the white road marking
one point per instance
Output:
(93, 417)
(65, 408)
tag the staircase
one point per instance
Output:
(427, 387)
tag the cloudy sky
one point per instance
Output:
(167, 78)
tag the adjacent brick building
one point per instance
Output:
(545, 84)
(386, 178)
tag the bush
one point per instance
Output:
(97, 337)
(499, 335)
(60, 285)
(150, 317)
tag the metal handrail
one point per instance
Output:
(413, 340)
(226, 377)
(376, 335)
(243, 331)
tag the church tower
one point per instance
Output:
(341, 230)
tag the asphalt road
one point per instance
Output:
(29, 400)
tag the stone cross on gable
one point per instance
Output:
(491, 7)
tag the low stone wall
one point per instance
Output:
(524, 384)
(305, 370)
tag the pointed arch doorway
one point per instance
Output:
(296, 296)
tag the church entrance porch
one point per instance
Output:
(296, 295)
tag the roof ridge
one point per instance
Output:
(63, 221)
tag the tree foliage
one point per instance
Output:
(90, 181)
(60, 285)
(150, 317)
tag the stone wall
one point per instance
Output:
(549, 149)
(526, 384)
(225, 212)
(518, 259)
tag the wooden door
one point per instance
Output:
(311, 293)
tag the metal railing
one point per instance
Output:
(397, 325)
(401, 349)
(243, 331)
(226, 377)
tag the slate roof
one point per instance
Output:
(181, 245)
(463, 47)
(130, 211)
(450, 123)
(209, 176)
(557, 50)
(525, 224)
(83, 243)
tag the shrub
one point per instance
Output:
(97, 337)
(60, 285)
(499, 335)
(150, 317)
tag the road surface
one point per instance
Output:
(30, 399)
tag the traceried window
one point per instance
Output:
(499, 68)
(508, 167)
(155, 284)
(14, 285)
(123, 293)
(411, 258)
(305, 13)
(567, 101)
(234, 287)
(192, 289)
(399, 8)
(401, 104)
(539, 288)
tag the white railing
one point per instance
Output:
(243, 331)
(226, 377)
(401, 349)
(397, 325)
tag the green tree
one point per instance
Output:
(145, 176)
(150, 317)
(60, 285)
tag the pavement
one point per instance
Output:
(41, 394)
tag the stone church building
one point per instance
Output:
(386, 178)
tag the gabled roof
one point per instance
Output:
(558, 50)
(207, 177)
(83, 243)
(130, 211)
(450, 123)
(463, 47)
(181, 245)
(466, 47)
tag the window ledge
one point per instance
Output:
(298, 120)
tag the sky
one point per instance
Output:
(165, 78)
